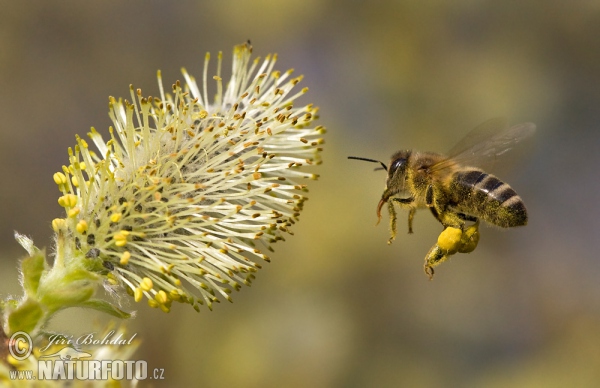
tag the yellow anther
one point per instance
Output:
(59, 224)
(174, 295)
(68, 200)
(82, 226)
(72, 213)
(161, 297)
(60, 178)
(121, 238)
(146, 284)
(125, 258)
(111, 279)
(138, 294)
(165, 308)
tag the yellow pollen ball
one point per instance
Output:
(470, 239)
(449, 239)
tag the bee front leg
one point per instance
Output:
(393, 218)
(407, 202)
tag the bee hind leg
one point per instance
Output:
(438, 212)
(435, 257)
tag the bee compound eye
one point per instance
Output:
(397, 164)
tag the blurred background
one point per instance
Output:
(338, 307)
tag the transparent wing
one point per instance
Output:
(485, 144)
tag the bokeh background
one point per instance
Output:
(338, 307)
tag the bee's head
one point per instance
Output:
(396, 174)
(396, 179)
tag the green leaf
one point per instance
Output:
(105, 307)
(61, 289)
(26, 317)
(32, 269)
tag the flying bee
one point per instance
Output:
(450, 186)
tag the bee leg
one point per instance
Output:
(442, 211)
(429, 196)
(407, 202)
(435, 214)
(470, 238)
(411, 216)
(433, 207)
(466, 217)
(449, 218)
(393, 219)
(449, 242)
(435, 257)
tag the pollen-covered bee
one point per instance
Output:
(451, 187)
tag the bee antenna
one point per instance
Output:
(369, 160)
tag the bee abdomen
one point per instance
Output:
(487, 197)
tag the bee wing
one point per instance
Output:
(486, 143)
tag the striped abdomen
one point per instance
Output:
(484, 196)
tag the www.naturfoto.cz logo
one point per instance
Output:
(74, 362)
(71, 364)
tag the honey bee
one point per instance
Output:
(450, 186)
